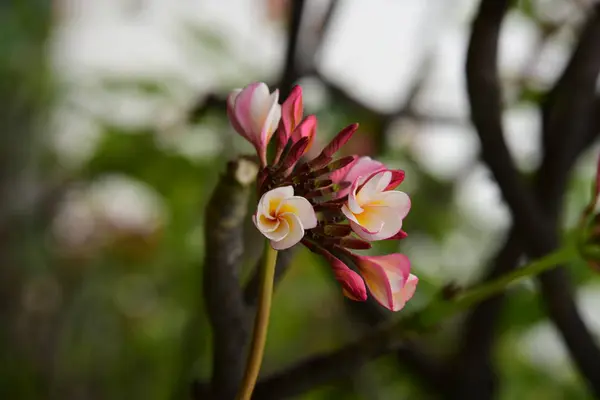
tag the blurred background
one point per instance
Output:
(115, 134)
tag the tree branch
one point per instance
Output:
(470, 370)
(531, 219)
(483, 88)
(290, 70)
(414, 359)
(568, 121)
(342, 95)
(323, 28)
(325, 368)
(225, 216)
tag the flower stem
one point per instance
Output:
(261, 323)
(436, 311)
(536, 267)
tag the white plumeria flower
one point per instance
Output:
(283, 217)
(255, 114)
(376, 212)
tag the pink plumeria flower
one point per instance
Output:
(388, 278)
(291, 115)
(374, 210)
(255, 114)
(360, 169)
(283, 217)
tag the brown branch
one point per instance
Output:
(341, 95)
(570, 105)
(420, 365)
(225, 216)
(324, 27)
(476, 375)
(290, 71)
(568, 121)
(530, 216)
(325, 368)
(483, 88)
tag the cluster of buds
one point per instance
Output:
(332, 206)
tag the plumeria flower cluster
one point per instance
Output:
(332, 206)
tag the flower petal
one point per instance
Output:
(231, 114)
(264, 223)
(339, 140)
(280, 232)
(375, 184)
(352, 202)
(340, 175)
(398, 236)
(348, 214)
(353, 285)
(378, 285)
(269, 202)
(294, 235)
(399, 201)
(301, 208)
(270, 121)
(380, 223)
(397, 178)
(363, 167)
(306, 128)
(260, 106)
(407, 292)
(242, 109)
(291, 111)
(373, 219)
(386, 277)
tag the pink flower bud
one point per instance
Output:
(388, 278)
(255, 114)
(336, 143)
(291, 114)
(307, 128)
(353, 285)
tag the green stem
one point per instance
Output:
(496, 286)
(436, 311)
(261, 324)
